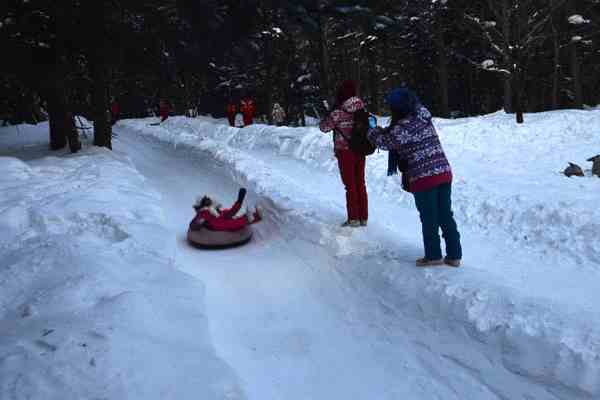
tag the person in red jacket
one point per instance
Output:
(248, 109)
(232, 109)
(351, 165)
(114, 112)
(211, 215)
(163, 110)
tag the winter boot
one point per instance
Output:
(363, 222)
(451, 262)
(424, 262)
(352, 223)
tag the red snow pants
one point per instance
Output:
(352, 171)
(248, 119)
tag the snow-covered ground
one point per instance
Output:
(308, 310)
(528, 288)
(91, 305)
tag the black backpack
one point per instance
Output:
(359, 142)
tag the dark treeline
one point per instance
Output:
(462, 57)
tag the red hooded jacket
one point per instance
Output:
(248, 108)
(217, 219)
(231, 109)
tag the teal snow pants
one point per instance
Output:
(435, 210)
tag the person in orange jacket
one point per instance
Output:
(248, 109)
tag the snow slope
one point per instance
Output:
(91, 304)
(537, 321)
(288, 325)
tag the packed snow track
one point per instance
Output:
(295, 319)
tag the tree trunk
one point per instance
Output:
(57, 114)
(469, 91)
(520, 64)
(374, 87)
(54, 85)
(556, 74)
(518, 93)
(508, 94)
(576, 74)
(506, 31)
(102, 128)
(443, 72)
(269, 81)
(324, 61)
(556, 68)
(357, 73)
(99, 73)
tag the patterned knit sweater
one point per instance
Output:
(342, 119)
(416, 141)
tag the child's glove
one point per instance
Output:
(257, 216)
(241, 195)
(372, 121)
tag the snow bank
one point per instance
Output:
(91, 305)
(518, 199)
(28, 141)
(508, 179)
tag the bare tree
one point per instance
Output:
(514, 32)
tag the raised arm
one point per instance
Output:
(380, 138)
(402, 132)
(329, 123)
(231, 212)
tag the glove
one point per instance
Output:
(241, 195)
(372, 121)
(256, 217)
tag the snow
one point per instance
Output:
(102, 298)
(303, 78)
(516, 214)
(91, 304)
(577, 19)
(487, 64)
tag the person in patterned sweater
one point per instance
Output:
(413, 137)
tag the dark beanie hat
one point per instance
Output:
(346, 90)
(403, 101)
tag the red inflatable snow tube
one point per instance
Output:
(215, 240)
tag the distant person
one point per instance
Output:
(232, 110)
(114, 112)
(413, 137)
(351, 165)
(248, 109)
(163, 110)
(72, 133)
(239, 120)
(278, 115)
